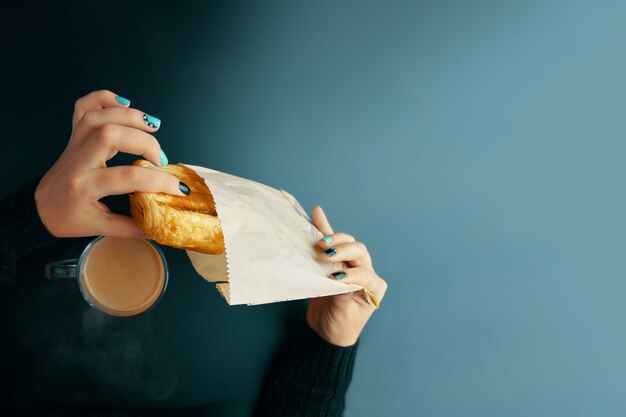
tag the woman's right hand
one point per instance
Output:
(68, 195)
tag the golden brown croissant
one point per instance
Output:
(188, 222)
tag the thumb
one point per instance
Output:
(120, 226)
(321, 222)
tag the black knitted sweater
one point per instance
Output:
(311, 378)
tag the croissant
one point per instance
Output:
(188, 222)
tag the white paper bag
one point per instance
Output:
(269, 246)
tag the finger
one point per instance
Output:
(128, 179)
(111, 139)
(95, 119)
(119, 226)
(97, 100)
(321, 222)
(363, 277)
(335, 239)
(355, 253)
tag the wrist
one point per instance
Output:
(41, 208)
(336, 338)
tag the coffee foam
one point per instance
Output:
(123, 277)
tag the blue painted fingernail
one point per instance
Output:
(327, 239)
(123, 101)
(164, 160)
(338, 275)
(184, 188)
(330, 251)
(151, 121)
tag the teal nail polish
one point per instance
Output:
(330, 251)
(151, 121)
(184, 188)
(339, 275)
(164, 160)
(327, 239)
(123, 101)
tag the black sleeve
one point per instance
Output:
(21, 229)
(309, 377)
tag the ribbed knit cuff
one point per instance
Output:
(310, 377)
(21, 229)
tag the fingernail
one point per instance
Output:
(327, 239)
(338, 275)
(164, 160)
(151, 121)
(183, 188)
(330, 251)
(123, 101)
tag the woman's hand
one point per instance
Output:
(339, 319)
(67, 196)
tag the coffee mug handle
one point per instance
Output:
(62, 269)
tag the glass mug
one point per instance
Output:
(122, 277)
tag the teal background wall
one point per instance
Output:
(477, 148)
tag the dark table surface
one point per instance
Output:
(190, 349)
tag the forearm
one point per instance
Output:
(309, 377)
(21, 229)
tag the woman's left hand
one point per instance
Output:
(339, 319)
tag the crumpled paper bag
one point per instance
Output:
(269, 242)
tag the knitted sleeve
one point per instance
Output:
(309, 377)
(21, 229)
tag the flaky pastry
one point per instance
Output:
(188, 222)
